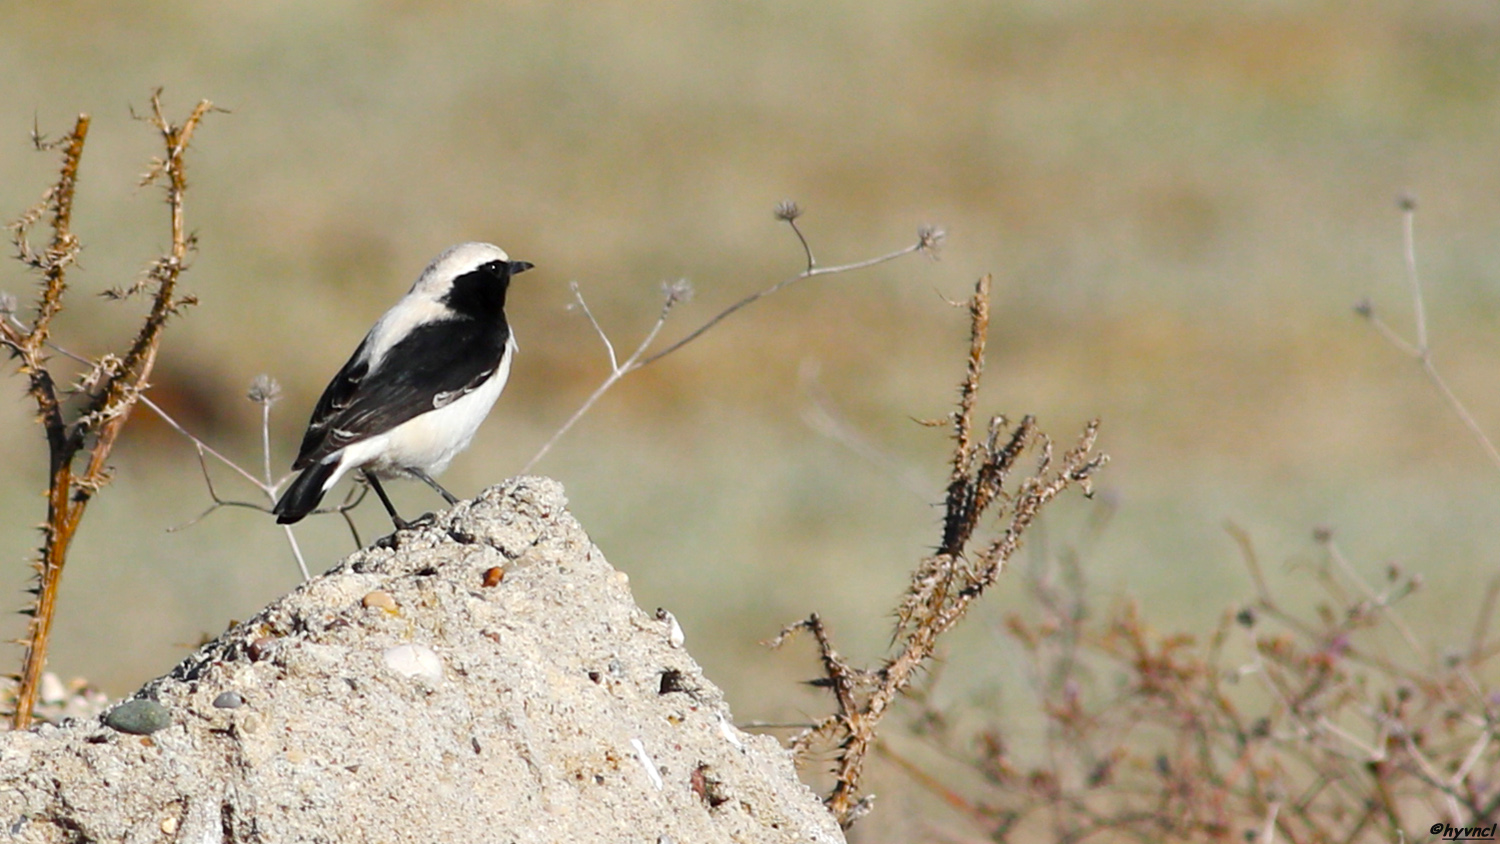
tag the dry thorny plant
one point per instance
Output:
(1331, 725)
(1321, 724)
(82, 420)
(967, 561)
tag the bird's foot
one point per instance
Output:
(424, 520)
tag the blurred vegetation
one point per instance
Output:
(1179, 202)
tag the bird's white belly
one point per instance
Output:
(429, 441)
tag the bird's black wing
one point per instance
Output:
(431, 367)
(336, 396)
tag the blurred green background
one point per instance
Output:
(1180, 203)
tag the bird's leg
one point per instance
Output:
(400, 523)
(427, 479)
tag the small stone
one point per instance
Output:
(260, 648)
(229, 700)
(415, 661)
(380, 600)
(168, 825)
(138, 717)
(493, 576)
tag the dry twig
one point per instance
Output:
(1288, 725)
(945, 584)
(1421, 351)
(928, 240)
(113, 383)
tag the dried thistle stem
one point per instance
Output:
(117, 385)
(946, 584)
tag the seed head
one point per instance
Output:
(680, 290)
(929, 238)
(264, 390)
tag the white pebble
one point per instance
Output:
(415, 661)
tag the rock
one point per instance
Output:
(380, 600)
(542, 706)
(415, 661)
(229, 700)
(138, 717)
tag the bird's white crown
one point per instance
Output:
(454, 262)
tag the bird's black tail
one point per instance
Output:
(303, 495)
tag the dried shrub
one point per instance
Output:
(968, 560)
(82, 420)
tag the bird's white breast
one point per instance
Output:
(430, 440)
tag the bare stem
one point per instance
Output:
(174, 425)
(1421, 351)
(616, 372)
(291, 539)
(1377, 601)
(265, 441)
(1463, 413)
(927, 241)
(920, 245)
(1409, 251)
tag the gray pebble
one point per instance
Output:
(138, 717)
(229, 700)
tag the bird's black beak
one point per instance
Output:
(518, 267)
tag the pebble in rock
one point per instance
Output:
(380, 600)
(229, 700)
(415, 660)
(138, 717)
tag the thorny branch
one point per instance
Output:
(113, 383)
(928, 240)
(945, 584)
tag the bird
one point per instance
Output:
(415, 391)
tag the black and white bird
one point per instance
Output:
(418, 386)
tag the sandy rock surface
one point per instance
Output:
(485, 678)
